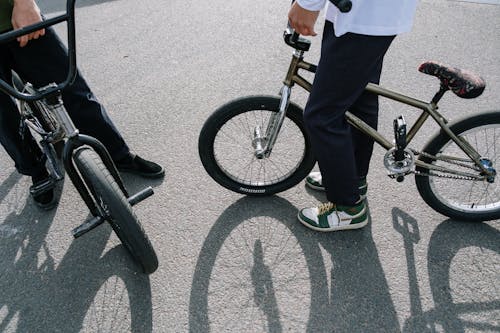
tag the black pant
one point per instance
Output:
(41, 62)
(346, 66)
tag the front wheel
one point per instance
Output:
(227, 147)
(455, 196)
(113, 204)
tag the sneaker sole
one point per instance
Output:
(315, 187)
(353, 226)
(48, 206)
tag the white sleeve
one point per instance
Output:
(312, 5)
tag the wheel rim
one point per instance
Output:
(234, 153)
(470, 196)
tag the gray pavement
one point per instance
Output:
(230, 263)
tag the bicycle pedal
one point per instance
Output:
(400, 137)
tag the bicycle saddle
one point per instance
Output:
(463, 83)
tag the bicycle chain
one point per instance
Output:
(427, 174)
(472, 167)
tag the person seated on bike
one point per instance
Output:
(352, 52)
(41, 58)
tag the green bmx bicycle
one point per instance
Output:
(258, 145)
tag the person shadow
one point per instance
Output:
(360, 300)
(89, 288)
(352, 297)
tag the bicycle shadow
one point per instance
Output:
(447, 240)
(39, 294)
(356, 299)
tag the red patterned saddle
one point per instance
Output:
(463, 83)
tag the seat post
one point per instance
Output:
(442, 89)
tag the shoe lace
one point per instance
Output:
(325, 208)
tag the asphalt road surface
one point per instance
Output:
(230, 263)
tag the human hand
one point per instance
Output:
(24, 13)
(302, 20)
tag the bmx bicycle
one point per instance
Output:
(257, 145)
(86, 160)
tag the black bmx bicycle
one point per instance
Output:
(86, 161)
(257, 145)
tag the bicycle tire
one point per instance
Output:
(228, 121)
(461, 199)
(110, 199)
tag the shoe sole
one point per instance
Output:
(47, 206)
(315, 187)
(339, 228)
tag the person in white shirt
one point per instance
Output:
(352, 52)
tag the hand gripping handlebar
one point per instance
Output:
(343, 5)
(69, 17)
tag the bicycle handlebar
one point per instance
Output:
(343, 5)
(69, 17)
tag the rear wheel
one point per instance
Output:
(458, 198)
(113, 204)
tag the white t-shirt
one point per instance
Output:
(368, 17)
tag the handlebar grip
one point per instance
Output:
(343, 5)
(13, 34)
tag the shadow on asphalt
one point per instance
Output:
(53, 6)
(359, 296)
(353, 297)
(446, 241)
(87, 288)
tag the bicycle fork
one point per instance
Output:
(263, 143)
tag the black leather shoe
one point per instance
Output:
(136, 165)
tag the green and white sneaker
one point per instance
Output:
(315, 181)
(332, 217)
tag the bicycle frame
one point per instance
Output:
(73, 140)
(428, 109)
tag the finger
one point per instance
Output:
(23, 40)
(39, 33)
(305, 30)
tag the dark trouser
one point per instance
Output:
(348, 63)
(41, 62)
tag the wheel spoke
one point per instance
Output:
(464, 195)
(233, 140)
